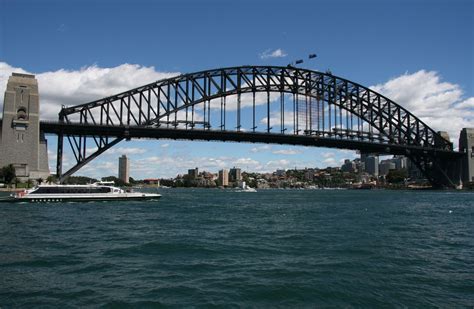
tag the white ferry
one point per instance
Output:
(99, 191)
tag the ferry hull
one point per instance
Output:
(79, 199)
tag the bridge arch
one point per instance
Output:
(329, 110)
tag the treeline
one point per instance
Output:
(8, 177)
(83, 180)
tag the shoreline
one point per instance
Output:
(10, 189)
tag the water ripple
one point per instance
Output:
(275, 248)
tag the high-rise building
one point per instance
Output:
(385, 166)
(235, 174)
(372, 165)
(21, 143)
(223, 178)
(400, 162)
(124, 169)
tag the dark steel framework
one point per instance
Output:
(267, 104)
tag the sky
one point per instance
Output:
(419, 53)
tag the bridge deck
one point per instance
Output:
(128, 132)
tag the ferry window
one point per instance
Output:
(40, 191)
(103, 190)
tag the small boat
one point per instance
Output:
(99, 191)
(244, 188)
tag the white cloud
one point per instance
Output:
(246, 100)
(328, 154)
(126, 151)
(275, 119)
(261, 148)
(330, 162)
(246, 162)
(165, 145)
(467, 104)
(278, 164)
(441, 105)
(269, 53)
(287, 151)
(72, 87)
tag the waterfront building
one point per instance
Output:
(152, 181)
(21, 143)
(124, 169)
(280, 172)
(223, 178)
(385, 166)
(193, 173)
(209, 176)
(359, 165)
(235, 174)
(309, 174)
(348, 166)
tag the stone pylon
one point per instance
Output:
(22, 143)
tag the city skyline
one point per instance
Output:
(435, 85)
(234, 172)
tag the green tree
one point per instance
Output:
(397, 176)
(51, 179)
(79, 180)
(8, 173)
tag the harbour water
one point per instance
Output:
(287, 248)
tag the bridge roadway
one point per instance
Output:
(129, 132)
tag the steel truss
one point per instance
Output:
(307, 104)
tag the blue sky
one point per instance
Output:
(427, 46)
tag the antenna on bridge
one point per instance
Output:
(300, 61)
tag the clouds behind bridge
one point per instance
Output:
(441, 104)
(72, 87)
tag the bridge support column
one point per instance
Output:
(59, 157)
(21, 142)
(446, 173)
(466, 146)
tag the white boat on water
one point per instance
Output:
(244, 188)
(99, 191)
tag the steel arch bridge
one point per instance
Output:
(267, 104)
